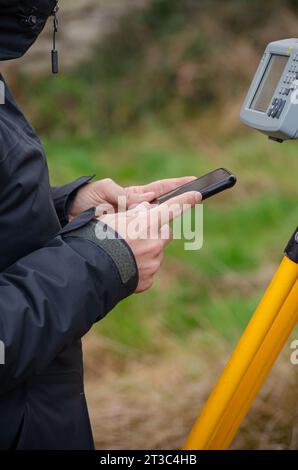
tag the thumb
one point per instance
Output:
(137, 198)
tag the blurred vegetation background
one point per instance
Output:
(151, 89)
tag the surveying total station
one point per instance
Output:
(271, 107)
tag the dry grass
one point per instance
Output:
(151, 402)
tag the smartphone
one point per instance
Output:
(208, 185)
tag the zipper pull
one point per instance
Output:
(55, 61)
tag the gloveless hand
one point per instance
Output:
(147, 219)
(106, 192)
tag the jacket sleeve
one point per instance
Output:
(53, 296)
(64, 195)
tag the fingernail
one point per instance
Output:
(197, 196)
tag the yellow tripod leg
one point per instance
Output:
(244, 353)
(257, 372)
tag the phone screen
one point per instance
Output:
(208, 185)
(211, 178)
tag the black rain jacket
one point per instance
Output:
(55, 282)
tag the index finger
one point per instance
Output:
(176, 206)
(164, 186)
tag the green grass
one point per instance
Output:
(245, 230)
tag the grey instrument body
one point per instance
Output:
(271, 102)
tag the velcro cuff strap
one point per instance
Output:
(113, 244)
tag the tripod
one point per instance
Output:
(252, 359)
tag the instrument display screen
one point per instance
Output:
(268, 84)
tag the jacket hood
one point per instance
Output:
(20, 24)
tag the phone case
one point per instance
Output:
(195, 185)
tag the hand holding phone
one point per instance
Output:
(208, 185)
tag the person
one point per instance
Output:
(57, 275)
